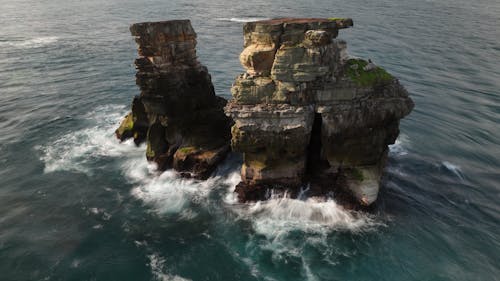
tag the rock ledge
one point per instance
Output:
(177, 113)
(307, 114)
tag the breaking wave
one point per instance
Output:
(167, 192)
(75, 151)
(30, 43)
(399, 146)
(274, 217)
(157, 265)
(281, 215)
(288, 229)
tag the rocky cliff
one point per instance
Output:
(307, 114)
(177, 113)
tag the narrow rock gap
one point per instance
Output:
(314, 162)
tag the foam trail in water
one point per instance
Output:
(288, 227)
(399, 146)
(276, 217)
(169, 193)
(157, 265)
(75, 150)
(166, 192)
(249, 19)
(231, 181)
(30, 43)
(454, 169)
(281, 214)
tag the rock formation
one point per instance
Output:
(306, 113)
(177, 112)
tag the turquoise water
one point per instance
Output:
(77, 205)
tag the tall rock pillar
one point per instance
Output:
(307, 113)
(177, 112)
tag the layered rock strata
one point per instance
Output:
(307, 114)
(177, 112)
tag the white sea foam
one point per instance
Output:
(276, 217)
(231, 181)
(157, 265)
(78, 150)
(99, 212)
(249, 19)
(167, 192)
(73, 151)
(291, 226)
(281, 215)
(30, 43)
(399, 146)
(453, 168)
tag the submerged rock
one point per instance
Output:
(177, 113)
(305, 112)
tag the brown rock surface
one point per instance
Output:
(180, 117)
(306, 112)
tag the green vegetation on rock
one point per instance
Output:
(127, 124)
(187, 149)
(336, 19)
(149, 151)
(357, 174)
(357, 73)
(257, 164)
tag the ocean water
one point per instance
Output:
(75, 204)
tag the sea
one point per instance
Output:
(76, 204)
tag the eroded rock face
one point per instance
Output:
(177, 112)
(305, 112)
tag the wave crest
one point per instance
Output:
(30, 43)
(76, 150)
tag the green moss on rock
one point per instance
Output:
(150, 154)
(357, 174)
(126, 128)
(366, 78)
(187, 149)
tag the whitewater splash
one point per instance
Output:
(157, 265)
(167, 192)
(30, 43)
(280, 214)
(75, 151)
(78, 151)
(288, 229)
(399, 146)
(311, 215)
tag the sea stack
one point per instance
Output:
(177, 113)
(308, 115)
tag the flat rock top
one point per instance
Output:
(337, 23)
(292, 20)
(171, 27)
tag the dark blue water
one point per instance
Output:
(77, 205)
